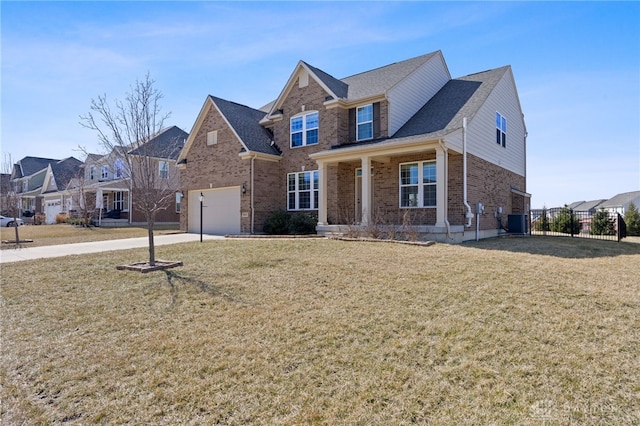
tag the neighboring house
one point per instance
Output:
(400, 144)
(620, 202)
(107, 178)
(584, 211)
(54, 198)
(37, 180)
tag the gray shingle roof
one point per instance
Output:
(245, 122)
(380, 80)
(461, 97)
(65, 170)
(623, 199)
(588, 205)
(339, 88)
(167, 143)
(30, 165)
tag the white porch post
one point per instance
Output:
(366, 190)
(322, 193)
(441, 187)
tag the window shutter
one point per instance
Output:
(376, 120)
(352, 124)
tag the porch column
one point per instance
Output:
(322, 193)
(366, 191)
(441, 187)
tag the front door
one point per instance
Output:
(358, 192)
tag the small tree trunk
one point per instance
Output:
(152, 247)
(15, 225)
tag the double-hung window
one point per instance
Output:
(163, 169)
(418, 184)
(104, 172)
(304, 130)
(92, 172)
(501, 130)
(302, 190)
(364, 122)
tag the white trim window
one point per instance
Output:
(25, 185)
(418, 184)
(119, 168)
(304, 129)
(302, 190)
(163, 169)
(92, 172)
(364, 122)
(501, 130)
(119, 201)
(104, 172)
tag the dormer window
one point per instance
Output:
(364, 125)
(304, 130)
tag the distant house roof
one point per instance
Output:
(30, 165)
(622, 200)
(245, 121)
(586, 206)
(65, 170)
(167, 143)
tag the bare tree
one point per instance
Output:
(127, 127)
(12, 197)
(83, 196)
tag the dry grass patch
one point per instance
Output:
(327, 332)
(47, 235)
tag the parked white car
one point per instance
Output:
(8, 221)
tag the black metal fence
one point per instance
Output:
(600, 224)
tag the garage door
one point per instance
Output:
(52, 209)
(220, 212)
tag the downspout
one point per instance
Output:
(252, 210)
(446, 186)
(469, 214)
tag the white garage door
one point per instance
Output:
(52, 208)
(220, 212)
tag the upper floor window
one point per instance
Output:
(501, 130)
(418, 184)
(119, 168)
(304, 129)
(104, 172)
(164, 169)
(92, 172)
(25, 185)
(302, 190)
(364, 124)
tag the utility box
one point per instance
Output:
(517, 224)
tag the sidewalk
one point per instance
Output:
(44, 252)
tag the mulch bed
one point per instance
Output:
(144, 267)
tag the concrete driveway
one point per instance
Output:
(44, 252)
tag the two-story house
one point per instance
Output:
(107, 179)
(37, 182)
(400, 144)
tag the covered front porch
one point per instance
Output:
(388, 187)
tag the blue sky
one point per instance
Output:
(576, 65)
